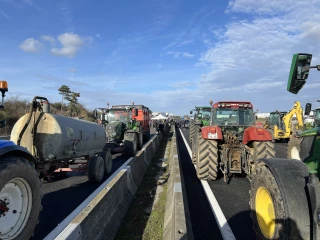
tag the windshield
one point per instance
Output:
(317, 117)
(274, 119)
(233, 117)
(119, 115)
(205, 113)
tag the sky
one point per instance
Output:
(169, 55)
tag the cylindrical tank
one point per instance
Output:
(58, 137)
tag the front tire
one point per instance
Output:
(293, 151)
(130, 144)
(20, 198)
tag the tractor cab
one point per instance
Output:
(276, 119)
(233, 114)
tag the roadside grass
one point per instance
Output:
(144, 219)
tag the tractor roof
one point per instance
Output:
(203, 107)
(232, 104)
(278, 112)
(130, 106)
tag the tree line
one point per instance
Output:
(14, 108)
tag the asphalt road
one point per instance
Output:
(233, 198)
(61, 197)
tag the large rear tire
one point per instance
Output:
(96, 169)
(263, 150)
(268, 212)
(130, 144)
(191, 131)
(20, 198)
(207, 158)
(194, 143)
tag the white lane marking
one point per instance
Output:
(225, 229)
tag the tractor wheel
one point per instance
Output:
(20, 198)
(194, 143)
(130, 144)
(207, 158)
(140, 140)
(191, 133)
(107, 157)
(263, 150)
(293, 151)
(96, 169)
(279, 211)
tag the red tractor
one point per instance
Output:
(232, 142)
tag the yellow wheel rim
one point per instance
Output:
(265, 212)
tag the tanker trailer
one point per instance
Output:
(57, 141)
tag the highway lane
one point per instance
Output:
(61, 197)
(233, 199)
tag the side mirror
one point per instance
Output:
(95, 113)
(191, 112)
(136, 112)
(299, 71)
(307, 109)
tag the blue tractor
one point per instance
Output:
(20, 187)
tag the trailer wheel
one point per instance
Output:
(130, 144)
(207, 158)
(263, 150)
(107, 157)
(96, 169)
(20, 198)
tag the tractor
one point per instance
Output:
(285, 193)
(127, 127)
(231, 142)
(20, 188)
(201, 118)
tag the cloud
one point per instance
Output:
(48, 38)
(180, 54)
(31, 45)
(71, 44)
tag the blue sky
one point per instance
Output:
(167, 55)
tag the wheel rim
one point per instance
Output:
(265, 212)
(295, 153)
(16, 203)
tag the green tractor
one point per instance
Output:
(124, 134)
(285, 193)
(201, 119)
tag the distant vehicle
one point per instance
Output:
(186, 124)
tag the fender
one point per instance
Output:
(9, 148)
(256, 134)
(212, 132)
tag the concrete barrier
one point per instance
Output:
(176, 225)
(101, 214)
